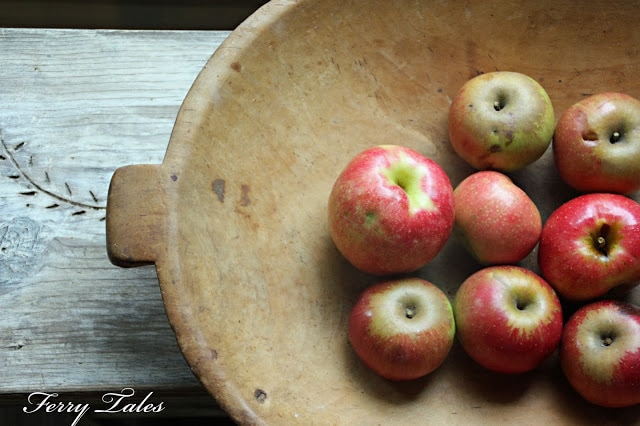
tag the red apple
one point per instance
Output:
(496, 220)
(508, 318)
(600, 353)
(501, 120)
(596, 145)
(402, 329)
(391, 210)
(591, 244)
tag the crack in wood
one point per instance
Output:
(16, 345)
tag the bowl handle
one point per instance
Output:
(136, 215)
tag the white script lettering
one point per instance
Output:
(117, 405)
(55, 407)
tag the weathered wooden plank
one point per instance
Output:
(75, 105)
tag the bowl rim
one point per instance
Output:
(190, 339)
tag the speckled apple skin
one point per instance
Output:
(495, 219)
(583, 153)
(504, 140)
(393, 346)
(494, 331)
(568, 257)
(604, 374)
(370, 218)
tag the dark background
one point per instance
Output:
(127, 14)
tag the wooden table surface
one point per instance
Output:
(74, 106)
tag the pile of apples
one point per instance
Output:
(391, 211)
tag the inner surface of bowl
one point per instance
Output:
(255, 290)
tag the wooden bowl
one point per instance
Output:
(235, 216)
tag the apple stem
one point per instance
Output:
(615, 137)
(607, 341)
(601, 243)
(499, 104)
(410, 311)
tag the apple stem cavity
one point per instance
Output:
(523, 301)
(409, 178)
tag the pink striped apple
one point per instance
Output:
(591, 245)
(508, 319)
(596, 146)
(496, 220)
(600, 353)
(391, 210)
(402, 329)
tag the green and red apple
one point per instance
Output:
(596, 145)
(600, 353)
(391, 210)
(501, 120)
(508, 319)
(495, 219)
(402, 329)
(591, 245)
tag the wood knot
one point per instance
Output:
(260, 395)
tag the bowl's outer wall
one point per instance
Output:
(253, 286)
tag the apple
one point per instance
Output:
(495, 220)
(501, 120)
(508, 318)
(600, 353)
(402, 329)
(596, 145)
(590, 245)
(391, 210)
